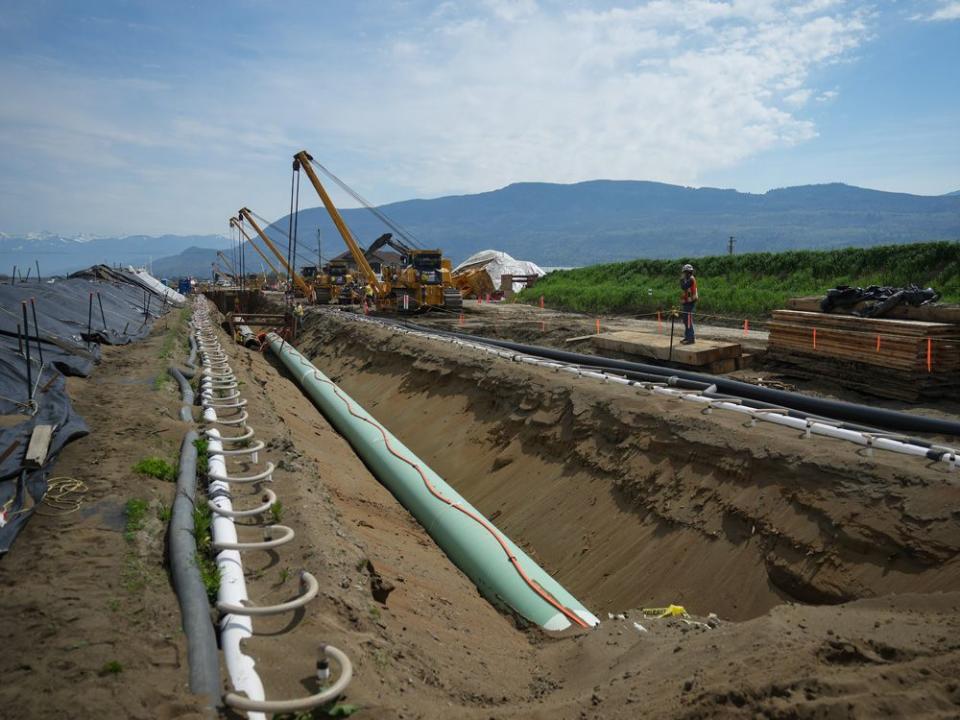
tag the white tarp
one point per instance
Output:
(497, 263)
(172, 295)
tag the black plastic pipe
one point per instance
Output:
(202, 652)
(891, 420)
(186, 393)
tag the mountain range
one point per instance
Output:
(60, 254)
(551, 224)
(608, 220)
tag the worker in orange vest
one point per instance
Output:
(688, 301)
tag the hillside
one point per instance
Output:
(604, 221)
(752, 284)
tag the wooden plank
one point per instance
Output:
(893, 327)
(657, 347)
(579, 338)
(936, 312)
(39, 446)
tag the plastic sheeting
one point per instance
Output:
(71, 329)
(498, 263)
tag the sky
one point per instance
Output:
(141, 117)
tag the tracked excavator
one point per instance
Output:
(423, 279)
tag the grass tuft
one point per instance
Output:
(156, 467)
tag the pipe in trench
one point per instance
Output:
(835, 409)
(502, 572)
(202, 653)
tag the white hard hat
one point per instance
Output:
(687, 267)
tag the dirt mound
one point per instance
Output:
(634, 500)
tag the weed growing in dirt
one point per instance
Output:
(203, 456)
(276, 512)
(164, 513)
(134, 575)
(380, 659)
(113, 604)
(111, 668)
(202, 520)
(156, 467)
(284, 575)
(209, 574)
(136, 512)
(374, 612)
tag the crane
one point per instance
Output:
(426, 278)
(239, 226)
(307, 291)
(228, 264)
(304, 158)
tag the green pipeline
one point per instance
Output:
(473, 548)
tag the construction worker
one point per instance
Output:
(688, 301)
(297, 318)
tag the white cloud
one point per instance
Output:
(465, 98)
(947, 11)
(827, 95)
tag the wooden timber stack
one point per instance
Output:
(902, 359)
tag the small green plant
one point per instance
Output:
(156, 467)
(113, 604)
(276, 512)
(164, 513)
(209, 575)
(203, 455)
(111, 668)
(161, 380)
(136, 512)
(202, 521)
(380, 659)
(284, 575)
(374, 612)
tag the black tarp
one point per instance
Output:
(69, 337)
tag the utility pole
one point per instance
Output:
(730, 246)
(319, 250)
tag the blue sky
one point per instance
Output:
(154, 117)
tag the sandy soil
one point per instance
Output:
(629, 501)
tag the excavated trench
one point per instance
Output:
(632, 500)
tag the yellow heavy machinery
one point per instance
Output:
(303, 288)
(333, 284)
(239, 226)
(423, 279)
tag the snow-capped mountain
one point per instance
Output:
(60, 254)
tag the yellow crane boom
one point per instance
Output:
(304, 158)
(299, 281)
(238, 226)
(228, 264)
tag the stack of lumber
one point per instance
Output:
(903, 359)
(710, 356)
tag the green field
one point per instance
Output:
(749, 285)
